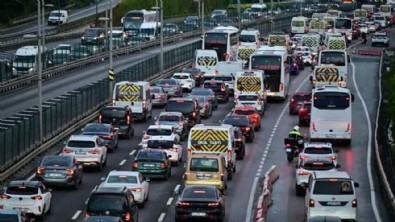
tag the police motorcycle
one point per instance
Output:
(293, 146)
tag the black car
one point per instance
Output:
(57, 170)
(220, 89)
(106, 131)
(94, 36)
(200, 202)
(153, 163)
(240, 142)
(298, 59)
(120, 118)
(191, 23)
(243, 123)
(189, 107)
(118, 202)
(196, 73)
(103, 219)
(208, 93)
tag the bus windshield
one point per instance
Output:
(297, 23)
(343, 24)
(331, 100)
(215, 38)
(266, 63)
(336, 58)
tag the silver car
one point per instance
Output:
(175, 119)
(380, 39)
(158, 96)
(171, 86)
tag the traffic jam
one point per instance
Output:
(250, 74)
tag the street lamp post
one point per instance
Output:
(111, 72)
(39, 67)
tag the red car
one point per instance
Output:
(297, 100)
(304, 114)
(252, 114)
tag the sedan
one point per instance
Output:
(297, 100)
(170, 29)
(152, 163)
(186, 80)
(208, 93)
(60, 171)
(59, 58)
(106, 131)
(80, 51)
(171, 86)
(196, 73)
(159, 96)
(243, 123)
(175, 119)
(200, 202)
(134, 181)
(206, 108)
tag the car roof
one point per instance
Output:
(160, 127)
(27, 183)
(318, 144)
(83, 137)
(120, 173)
(331, 175)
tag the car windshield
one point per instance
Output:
(379, 18)
(199, 193)
(333, 187)
(61, 161)
(180, 106)
(160, 144)
(244, 112)
(236, 120)
(81, 144)
(9, 218)
(55, 14)
(318, 150)
(148, 155)
(121, 179)
(156, 90)
(25, 59)
(180, 77)
(167, 82)
(247, 97)
(159, 132)
(22, 190)
(312, 166)
(204, 164)
(201, 92)
(97, 128)
(379, 36)
(169, 118)
(107, 202)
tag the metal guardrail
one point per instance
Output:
(19, 142)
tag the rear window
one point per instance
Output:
(204, 164)
(169, 118)
(160, 144)
(107, 202)
(333, 187)
(56, 161)
(22, 190)
(182, 106)
(113, 113)
(9, 218)
(237, 121)
(167, 82)
(299, 98)
(149, 156)
(181, 77)
(159, 132)
(199, 193)
(81, 144)
(121, 179)
(318, 150)
(244, 112)
(156, 90)
(213, 86)
(97, 128)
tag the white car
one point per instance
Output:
(317, 150)
(132, 180)
(331, 192)
(58, 17)
(372, 27)
(186, 80)
(30, 197)
(175, 119)
(170, 144)
(305, 167)
(158, 130)
(251, 99)
(63, 49)
(363, 28)
(87, 150)
(380, 39)
(306, 54)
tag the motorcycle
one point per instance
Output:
(293, 147)
(293, 69)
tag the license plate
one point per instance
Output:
(198, 214)
(55, 175)
(330, 136)
(333, 203)
(288, 150)
(80, 152)
(149, 165)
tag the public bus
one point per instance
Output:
(331, 113)
(223, 40)
(386, 10)
(273, 61)
(132, 20)
(360, 14)
(337, 58)
(344, 26)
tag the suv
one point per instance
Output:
(121, 118)
(94, 36)
(189, 107)
(112, 202)
(220, 89)
(380, 39)
(331, 191)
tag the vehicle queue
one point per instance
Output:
(213, 149)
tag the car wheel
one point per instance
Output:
(100, 167)
(105, 162)
(142, 205)
(299, 190)
(42, 216)
(147, 197)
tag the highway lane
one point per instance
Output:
(74, 15)
(25, 98)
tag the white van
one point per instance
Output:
(136, 95)
(249, 37)
(58, 17)
(150, 30)
(299, 25)
(380, 19)
(207, 62)
(25, 60)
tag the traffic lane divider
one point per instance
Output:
(370, 52)
(265, 199)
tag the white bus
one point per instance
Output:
(132, 20)
(331, 114)
(223, 40)
(337, 58)
(273, 61)
(344, 26)
(360, 14)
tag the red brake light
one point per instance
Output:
(216, 204)
(229, 155)
(144, 103)
(95, 151)
(128, 216)
(311, 203)
(288, 145)
(194, 114)
(135, 165)
(67, 150)
(40, 170)
(37, 197)
(163, 165)
(128, 119)
(5, 197)
(70, 172)
(354, 203)
(301, 172)
(146, 137)
(107, 137)
(189, 152)
(332, 157)
(87, 214)
(182, 204)
(248, 128)
(281, 87)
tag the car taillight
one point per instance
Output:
(144, 103)
(311, 203)
(229, 155)
(113, 102)
(354, 203)
(136, 189)
(332, 157)
(180, 124)
(238, 140)
(189, 152)
(163, 165)
(87, 214)
(292, 100)
(135, 165)
(222, 177)
(127, 119)
(281, 87)
(301, 172)
(146, 137)
(107, 137)
(95, 151)
(348, 127)
(182, 204)
(216, 204)
(37, 197)
(173, 149)
(100, 118)
(288, 145)
(302, 157)
(70, 172)
(67, 150)
(222, 88)
(194, 114)
(128, 216)
(40, 170)
(158, 96)
(248, 128)
(5, 197)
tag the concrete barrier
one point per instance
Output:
(265, 199)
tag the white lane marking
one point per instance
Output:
(169, 201)
(76, 215)
(265, 152)
(161, 217)
(177, 188)
(369, 154)
(122, 162)
(132, 153)
(31, 177)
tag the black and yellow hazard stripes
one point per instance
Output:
(318, 24)
(310, 41)
(111, 74)
(128, 93)
(278, 40)
(337, 44)
(245, 53)
(209, 140)
(248, 84)
(326, 74)
(207, 61)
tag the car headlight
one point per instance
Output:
(13, 68)
(83, 37)
(31, 69)
(94, 38)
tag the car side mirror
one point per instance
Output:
(337, 166)
(356, 184)
(103, 179)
